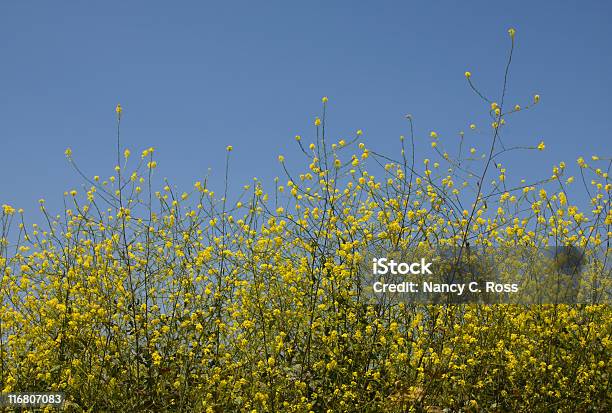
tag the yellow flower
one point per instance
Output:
(8, 210)
(517, 108)
(126, 153)
(324, 99)
(541, 146)
(433, 134)
(118, 109)
(317, 122)
(359, 132)
(229, 148)
(472, 126)
(511, 32)
(68, 152)
(468, 75)
(156, 358)
(281, 158)
(536, 98)
(298, 138)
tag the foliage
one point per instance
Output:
(142, 300)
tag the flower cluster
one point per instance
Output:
(163, 300)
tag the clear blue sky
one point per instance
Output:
(194, 77)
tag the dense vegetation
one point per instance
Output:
(135, 299)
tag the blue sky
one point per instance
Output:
(194, 77)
